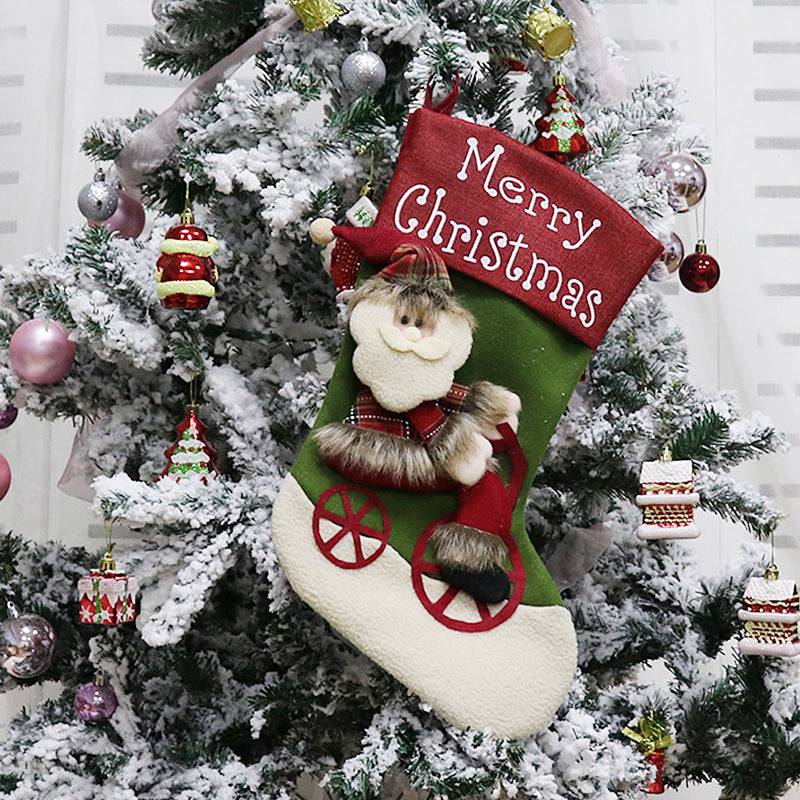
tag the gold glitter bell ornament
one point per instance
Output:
(549, 33)
(315, 14)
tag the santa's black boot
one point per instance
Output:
(488, 586)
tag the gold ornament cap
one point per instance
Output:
(549, 33)
(701, 246)
(315, 14)
(771, 573)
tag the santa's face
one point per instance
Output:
(405, 353)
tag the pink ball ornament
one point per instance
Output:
(128, 219)
(40, 351)
(5, 477)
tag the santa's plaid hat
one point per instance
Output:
(419, 262)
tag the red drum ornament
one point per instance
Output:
(185, 273)
(699, 272)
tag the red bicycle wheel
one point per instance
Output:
(356, 543)
(440, 606)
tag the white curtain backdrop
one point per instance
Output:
(66, 63)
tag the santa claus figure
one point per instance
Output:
(412, 427)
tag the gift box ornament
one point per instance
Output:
(667, 499)
(107, 595)
(653, 735)
(770, 614)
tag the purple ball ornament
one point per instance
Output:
(128, 219)
(683, 177)
(5, 477)
(40, 351)
(96, 701)
(667, 264)
(7, 417)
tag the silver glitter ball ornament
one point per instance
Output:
(98, 200)
(363, 72)
(27, 644)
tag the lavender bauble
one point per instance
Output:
(95, 701)
(40, 351)
(128, 219)
(27, 644)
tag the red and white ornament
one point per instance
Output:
(667, 499)
(770, 614)
(191, 457)
(40, 351)
(185, 274)
(561, 130)
(107, 595)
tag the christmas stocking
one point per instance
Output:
(492, 274)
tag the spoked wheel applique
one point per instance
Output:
(454, 608)
(351, 525)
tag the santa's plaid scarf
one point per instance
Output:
(420, 424)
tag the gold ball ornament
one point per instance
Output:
(315, 14)
(549, 33)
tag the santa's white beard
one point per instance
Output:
(401, 381)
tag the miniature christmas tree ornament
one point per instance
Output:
(667, 499)
(27, 643)
(191, 457)
(185, 274)
(561, 131)
(98, 200)
(96, 701)
(652, 734)
(107, 595)
(770, 612)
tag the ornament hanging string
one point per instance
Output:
(107, 563)
(150, 146)
(611, 84)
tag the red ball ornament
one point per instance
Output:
(185, 273)
(128, 220)
(40, 351)
(699, 271)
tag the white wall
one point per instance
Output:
(66, 63)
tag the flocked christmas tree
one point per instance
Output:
(229, 685)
